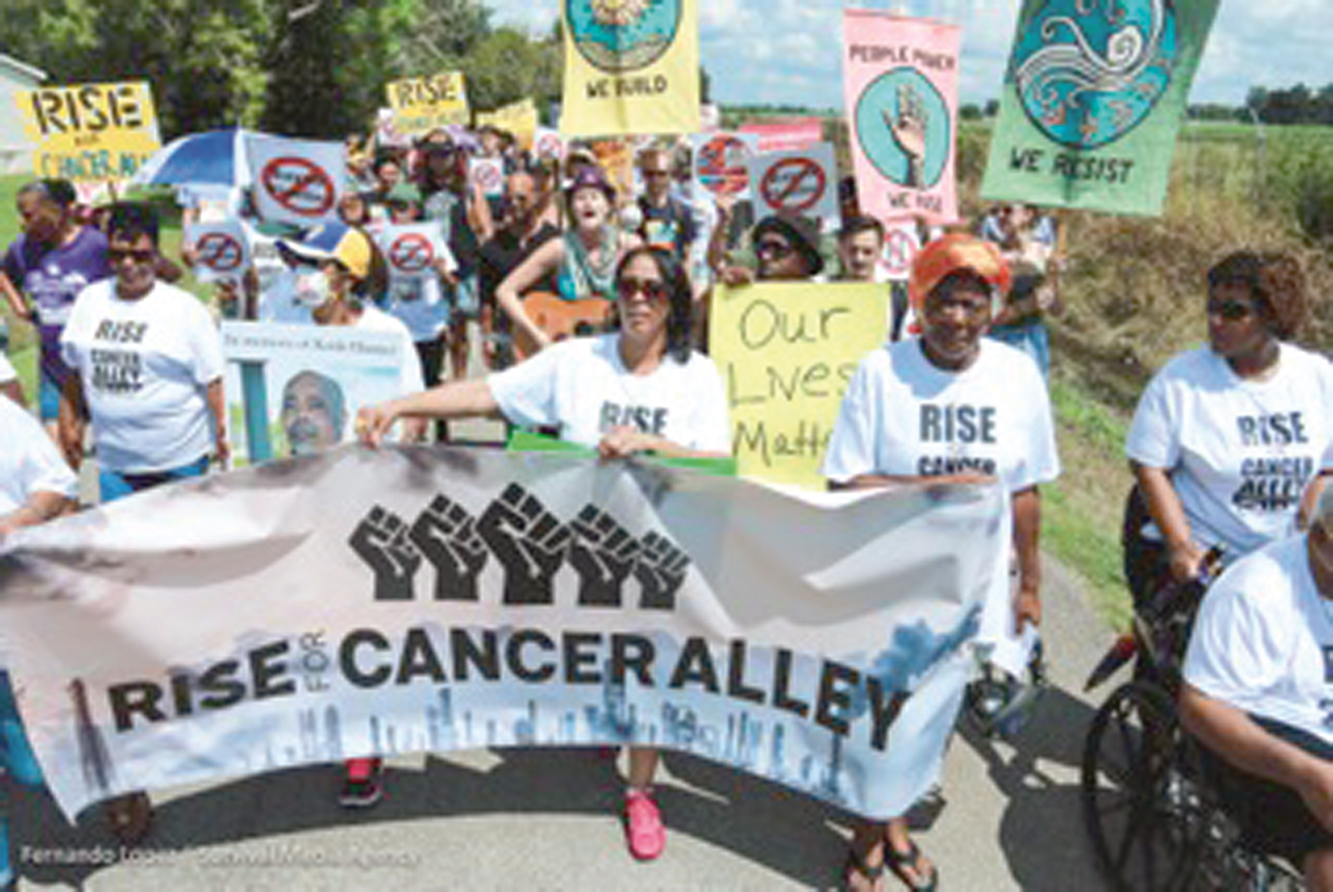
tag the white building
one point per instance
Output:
(15, 149)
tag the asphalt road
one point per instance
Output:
(547, 819)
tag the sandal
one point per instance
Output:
(901, 862)
(130, 816)
(856, 866)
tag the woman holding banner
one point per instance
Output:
(584, 261)
(950, 406)
(146, 367)
(641, 389)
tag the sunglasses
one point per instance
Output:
(1230, 310)
(657, 173)
(653, 289)
(774, 248)
(117, 256)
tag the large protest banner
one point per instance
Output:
(786, 353)
(297, 181)
(1092, 103)
(90, 133)
(631, 66)
(429, 599)
(901, 86)
(422, 104)
(294, 389)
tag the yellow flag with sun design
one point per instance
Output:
(631, 66)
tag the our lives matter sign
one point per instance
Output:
(631, 67)
(901, 87)
(297, 181)
(89, 133)
(1092, 103)
(786, 353)
(381, 602)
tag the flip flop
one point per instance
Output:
(856, 865)
(901, 862)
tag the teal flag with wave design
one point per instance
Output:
(1092, 102)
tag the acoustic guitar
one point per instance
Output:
(561, 319)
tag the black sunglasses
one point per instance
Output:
(1230, 310)
(775, 248)
(653, 289)
(117, 256)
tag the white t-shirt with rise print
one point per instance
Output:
(582, 386)
(145, 365)
(1240, 451)
(903, 416)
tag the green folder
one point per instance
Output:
(527, 441)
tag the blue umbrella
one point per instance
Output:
(216, 157)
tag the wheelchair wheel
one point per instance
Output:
(1140, 801)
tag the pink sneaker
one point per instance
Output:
(644, 829)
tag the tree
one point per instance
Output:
(506, 66)
(204, 58)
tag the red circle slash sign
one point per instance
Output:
(219, 252)
(299, 185)
(720, 165)
(411, 252)
(793, 184)
(899, 249)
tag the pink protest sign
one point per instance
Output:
(901, 86)
(786, 136)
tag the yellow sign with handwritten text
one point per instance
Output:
(786, 353)
(518, 118)
(422, 104)
(90, 133)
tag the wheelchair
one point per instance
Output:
(1151, 794)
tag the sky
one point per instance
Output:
(788, 51)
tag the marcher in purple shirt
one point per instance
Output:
(50, 263)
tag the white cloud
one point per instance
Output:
(789, 51)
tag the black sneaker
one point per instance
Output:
(361, 786)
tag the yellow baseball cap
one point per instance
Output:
(333, 241)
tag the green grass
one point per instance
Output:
(1081, 511)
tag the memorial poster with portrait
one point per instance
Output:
(295, 389)
(1092, 103)
(900, 79)
(631, 66)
